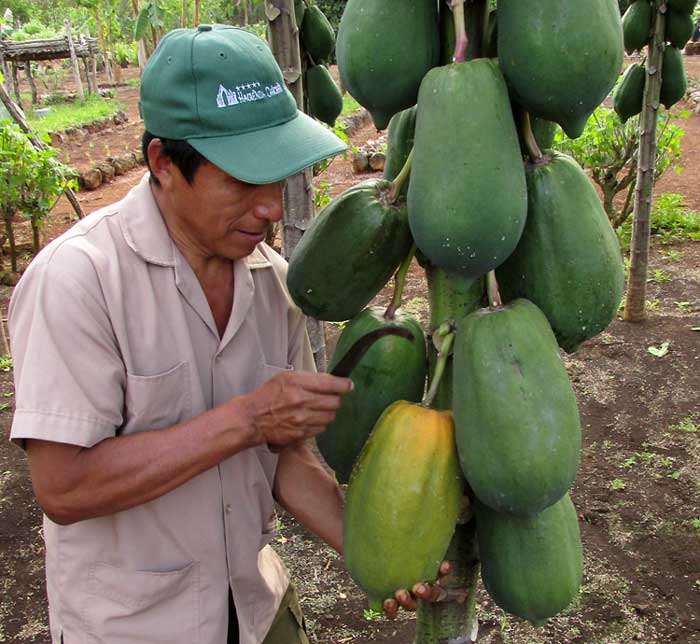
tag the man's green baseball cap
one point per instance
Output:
(220, 89)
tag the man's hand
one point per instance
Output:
(292, 407)
(426, 592)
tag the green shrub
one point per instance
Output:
(608, 150)
(31, 181)
(671, 221)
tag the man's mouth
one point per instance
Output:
(254, 237)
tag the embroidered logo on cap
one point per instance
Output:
(246, 93)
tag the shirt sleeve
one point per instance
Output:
(69, 376)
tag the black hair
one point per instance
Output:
(181, 153)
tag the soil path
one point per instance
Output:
(637, 494)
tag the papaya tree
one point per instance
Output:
(664, 33)
(520, 260)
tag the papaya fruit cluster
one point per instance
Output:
(317, 43)
(470, 182)
(638, 25)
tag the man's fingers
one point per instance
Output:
(391, 608)
(428, 592)
(445, 569)
(323, 383)
(405, 599)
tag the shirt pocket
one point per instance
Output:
(158, 401)
(129, 606)
(267, 371)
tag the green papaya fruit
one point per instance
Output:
(317, 35)
(519, 457)
(637, 25)
(629, 93)
(402, 502)
(573, 51)
(400, 138)
(568, 261)
(472, 225)
(384, 49)
(681, 6)
(299, 11)
(679, 28)
(325, 99)
(531, 566)
(392, 369)
(674, 82)
(349, 252)
(491, 36)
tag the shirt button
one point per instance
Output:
(228, 509)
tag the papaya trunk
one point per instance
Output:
(452, 298)
(454, 621)
(641, 226)
(298, 197)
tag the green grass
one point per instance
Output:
(350, 105)
(68, 115)
(671, 221)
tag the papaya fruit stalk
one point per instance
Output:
(446, 337)
(492, 290)
(399, 284)
(401, 178)
(461, 40)
(533, 149)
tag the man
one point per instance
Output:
(164, 379)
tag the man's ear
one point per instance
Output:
(160, 164)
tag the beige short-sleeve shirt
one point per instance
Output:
(111, 334)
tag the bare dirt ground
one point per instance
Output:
(637, 493)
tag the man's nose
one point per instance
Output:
(268, 201)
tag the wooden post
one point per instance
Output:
(298, 192)
(15, 84)
(30, 80)
(93, 71)
(641, 227)
(5, 71)
(88, 82)
(17, 115)
(74, 61)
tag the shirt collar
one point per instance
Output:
(147, 235)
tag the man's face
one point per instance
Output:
(217, 215)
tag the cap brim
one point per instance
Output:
(271, 154)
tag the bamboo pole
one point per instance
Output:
(18, 117)
(641, 226)
(74, 61)
(298, 196)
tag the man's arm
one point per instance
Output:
(310, 494)
(73, 483)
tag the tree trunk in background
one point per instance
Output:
(641, 227)
(298, 192)
(102, 43)
(74, 61)
(195, 19)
